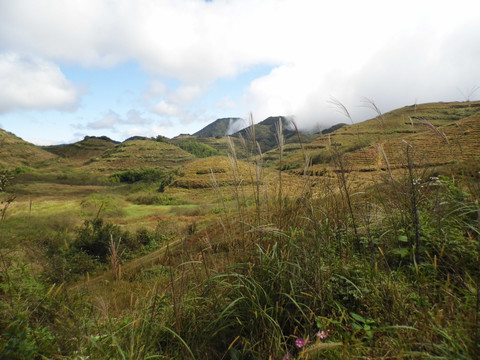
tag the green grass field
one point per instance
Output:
(365, 246)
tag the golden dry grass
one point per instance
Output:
(439, 133)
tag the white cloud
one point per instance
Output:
(42, 142)
(80, 32)
(155, 89)
(392, 52)
(225, 103)
(109, 121)
(424, 66)
(185, 94)
(135, 132)
(163, 129)
(135, 117)
(112, 120)
(235, 125)
(167, 109)
(33, 83)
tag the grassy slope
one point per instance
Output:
(82, 151)
(360, 141)
(219, 143)
(218, 128)
(17, 152)
(139, 154)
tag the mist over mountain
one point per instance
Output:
(222, 127)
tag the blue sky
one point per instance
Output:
(124, 68)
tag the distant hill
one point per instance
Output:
(222, 127)
(265, 133)
(16, 152)
(134, 154)
(441, 132)
(137, 138)
(219, 143)
(84, 150)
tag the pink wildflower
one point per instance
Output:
(322, 334)
(301, 342)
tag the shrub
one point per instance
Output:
(94, 238)
(156, 199)
(149, 175)
(197, 148)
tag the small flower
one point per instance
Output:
(329, 331)
(287, 356)
(301, 342)
(348, 328)
(322, 334)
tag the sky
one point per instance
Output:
(122, 68)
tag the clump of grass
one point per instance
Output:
(116, 257)
(148, 198)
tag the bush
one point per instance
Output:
(94, 238)
(149, 175)
(197, 148)
(156, 199)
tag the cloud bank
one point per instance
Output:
(33, 83)
(393, 53)
(111, 120)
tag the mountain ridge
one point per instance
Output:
(355, 138)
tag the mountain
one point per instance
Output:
(222, 127)
(265, 133)
(442, 130)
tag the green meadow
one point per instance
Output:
(362, 242)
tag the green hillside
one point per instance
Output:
(16, 152)
(221, 127)
(221, 144)
(84, 150)
(135, 154)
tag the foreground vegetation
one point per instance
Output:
(348, 265)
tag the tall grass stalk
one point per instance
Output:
(341, 171)
(255, 156)
(369, 103)
(413, 198)
(387, 163)
(342, 109)
(116, 257)
(435, 130)
(281, 143)
(239, 191)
